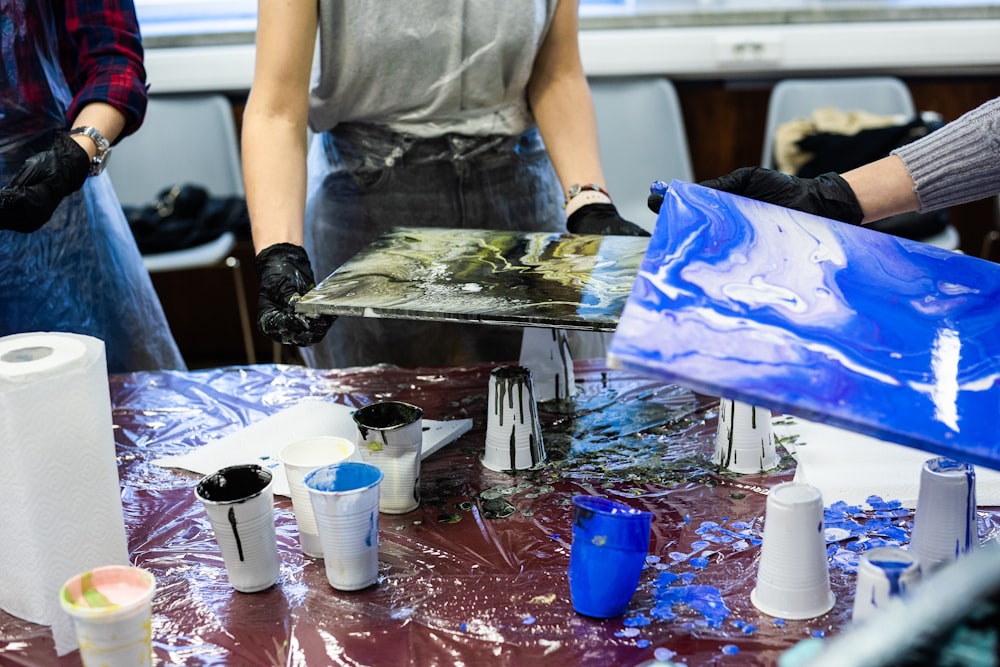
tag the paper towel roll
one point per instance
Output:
(62, 500)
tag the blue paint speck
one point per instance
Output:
(643, 643)
(780, 622)
(730, 649)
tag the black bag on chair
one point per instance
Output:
(185, 216)
(843, 152)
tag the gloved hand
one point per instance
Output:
(285, 275)
(827, 195)
(602, 219)
(44, 179)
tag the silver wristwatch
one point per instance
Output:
(100, 160)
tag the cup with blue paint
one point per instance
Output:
(610, 544)
(239, 502)
(945, 525)
(345, 502)
(884, 573)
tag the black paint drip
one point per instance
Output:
(236, 532)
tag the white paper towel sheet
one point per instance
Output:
(261, 441)
(62, 509)
(849, 466)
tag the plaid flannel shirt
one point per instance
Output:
(97, 46)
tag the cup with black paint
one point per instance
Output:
(513, 432)
(390, 437)
(239, 502)
(744, 440)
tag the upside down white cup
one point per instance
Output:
(545, 351)
(945, 526)
(300, 458)
(513, 433)
(239, 501)
(883, 573)
(391, 437)
(345, 501)
(744, 441)
(112, 608)
(793, 576)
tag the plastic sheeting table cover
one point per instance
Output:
(477, 574)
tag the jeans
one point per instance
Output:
(366, 180)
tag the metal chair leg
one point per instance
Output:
(241, 301)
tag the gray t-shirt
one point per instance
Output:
(428, 67)
(959, 162)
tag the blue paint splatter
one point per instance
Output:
(463, 627)
(699, 562)
(730, 649)
(705, 600)
(643, 643)
(637, 621)
(749, 629)
(664, 654)
(528, 620)
(780, 622)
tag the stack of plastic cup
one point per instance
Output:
(299, 459)
(744, 441)
(239, 502)
(610, 544)
(883, 573)
(345, 501)
(513, 433)
(793, 576)
(112, 612)
(945, 526)
(391, 437)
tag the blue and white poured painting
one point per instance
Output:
(808, 316)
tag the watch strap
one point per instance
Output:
(100, 159)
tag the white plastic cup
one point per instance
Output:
(513, 433)
(945, 526)
(239, 502)
(546, 352)
(744, 440)
(390, 437)
(345, 501)
(299, 459)
(112, 610)
(793, 576)
(883, 573)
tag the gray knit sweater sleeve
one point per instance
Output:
(959, 162)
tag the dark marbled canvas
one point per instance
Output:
(836, 323)
(533, 279)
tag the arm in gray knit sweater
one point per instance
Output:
(955, 164)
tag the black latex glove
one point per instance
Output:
(285, 275)
(827, 195)
(602, 219)
(44, 179)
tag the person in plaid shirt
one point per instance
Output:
(72, 84)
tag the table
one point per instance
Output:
(476, 575)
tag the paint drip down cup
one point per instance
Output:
(112, 610)
(345, 502)
(610, 544)
(884, 573)
(513, 433)
(299, 459)
(390, 437)
(793, 576)
(545, 351)
(945, 526)
(744, 441)
(239, 501)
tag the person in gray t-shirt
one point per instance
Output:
(428, 113)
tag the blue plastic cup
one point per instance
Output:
(610, 543)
